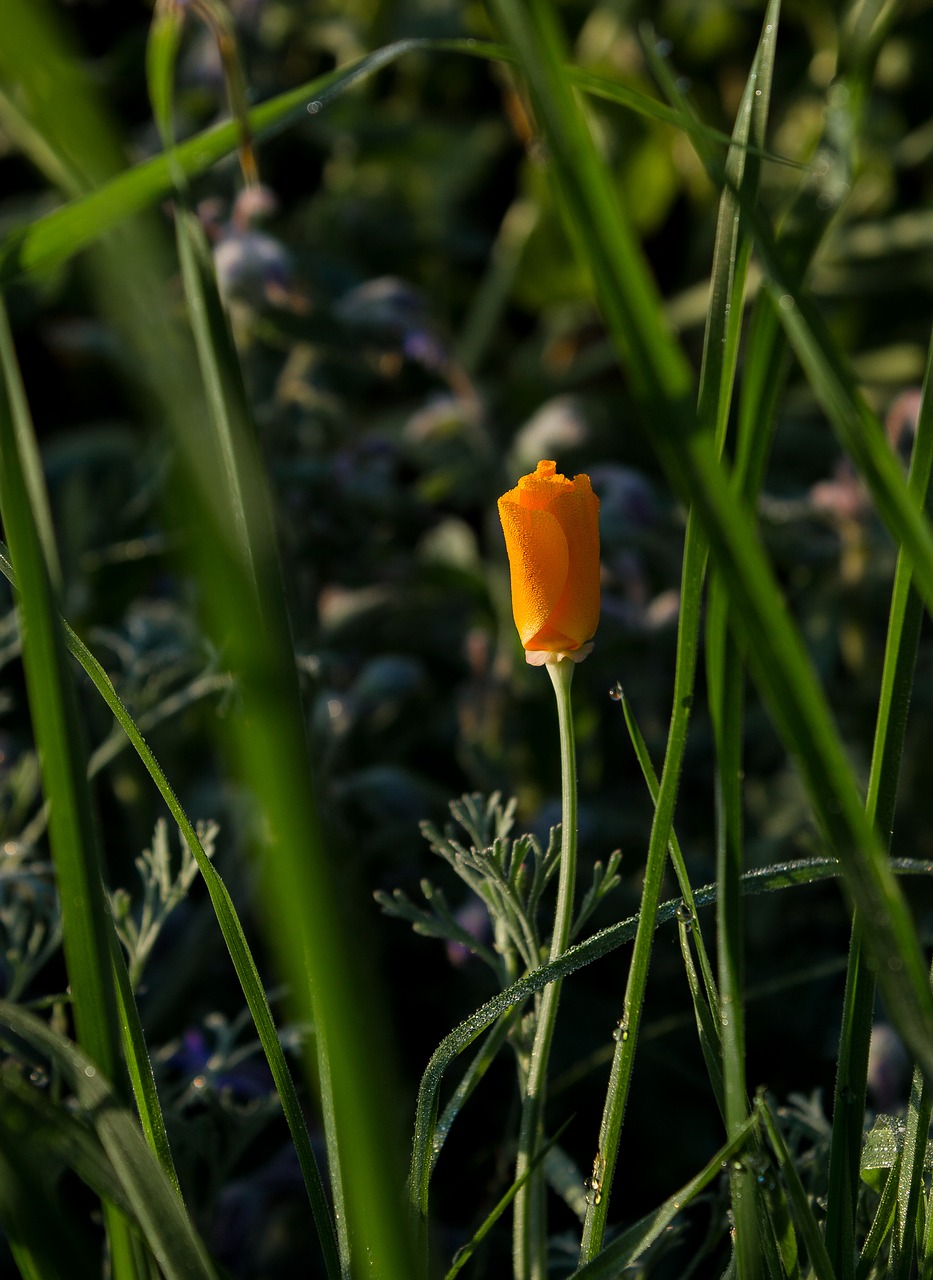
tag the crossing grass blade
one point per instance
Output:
(57, 236)
(661, 381)
(627, 1247)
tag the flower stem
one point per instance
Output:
(529, 1248)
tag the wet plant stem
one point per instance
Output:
(529, 1247)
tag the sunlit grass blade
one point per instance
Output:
(881, 1223)
(56, 237)
(153, 1201)
(715, 395)
(911, 1184)
(724, 664)
(660, 380)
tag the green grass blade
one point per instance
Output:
(56, 237)
(724, 661)
(86, 924)
(465, 1252)
(234, 937)
(676, 856)
(804, 1220)
(881, 1224)
(777, 657)
(630, 1244)
(911, 1185)
(229, 413)
(903, 637)
(152, 1199)
(246, 617)
(714, 396)
(766, 880)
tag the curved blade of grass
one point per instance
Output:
(911, 1185)
(881, 1224)
(55, 238)
(136, 1054)
(233, 935)
(469, 1080)
(766, 880)
(155, 1205)
(660, 379)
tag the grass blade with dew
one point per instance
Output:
(911, 1183)
(660, 380)
(901, 646)
(628, 1246)
(766, 880)
(724, 665)
(881, 1223)
(715, 393)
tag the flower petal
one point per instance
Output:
(538, 560)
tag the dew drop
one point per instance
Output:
(90, 1072)
(616, 693)
(685, 915)
(314, 107)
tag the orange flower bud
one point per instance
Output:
(551, 527)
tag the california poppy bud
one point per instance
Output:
(551, 527)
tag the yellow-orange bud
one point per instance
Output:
(551, 527)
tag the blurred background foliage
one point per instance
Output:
(415, 333)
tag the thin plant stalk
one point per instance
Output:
(530, 1222)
